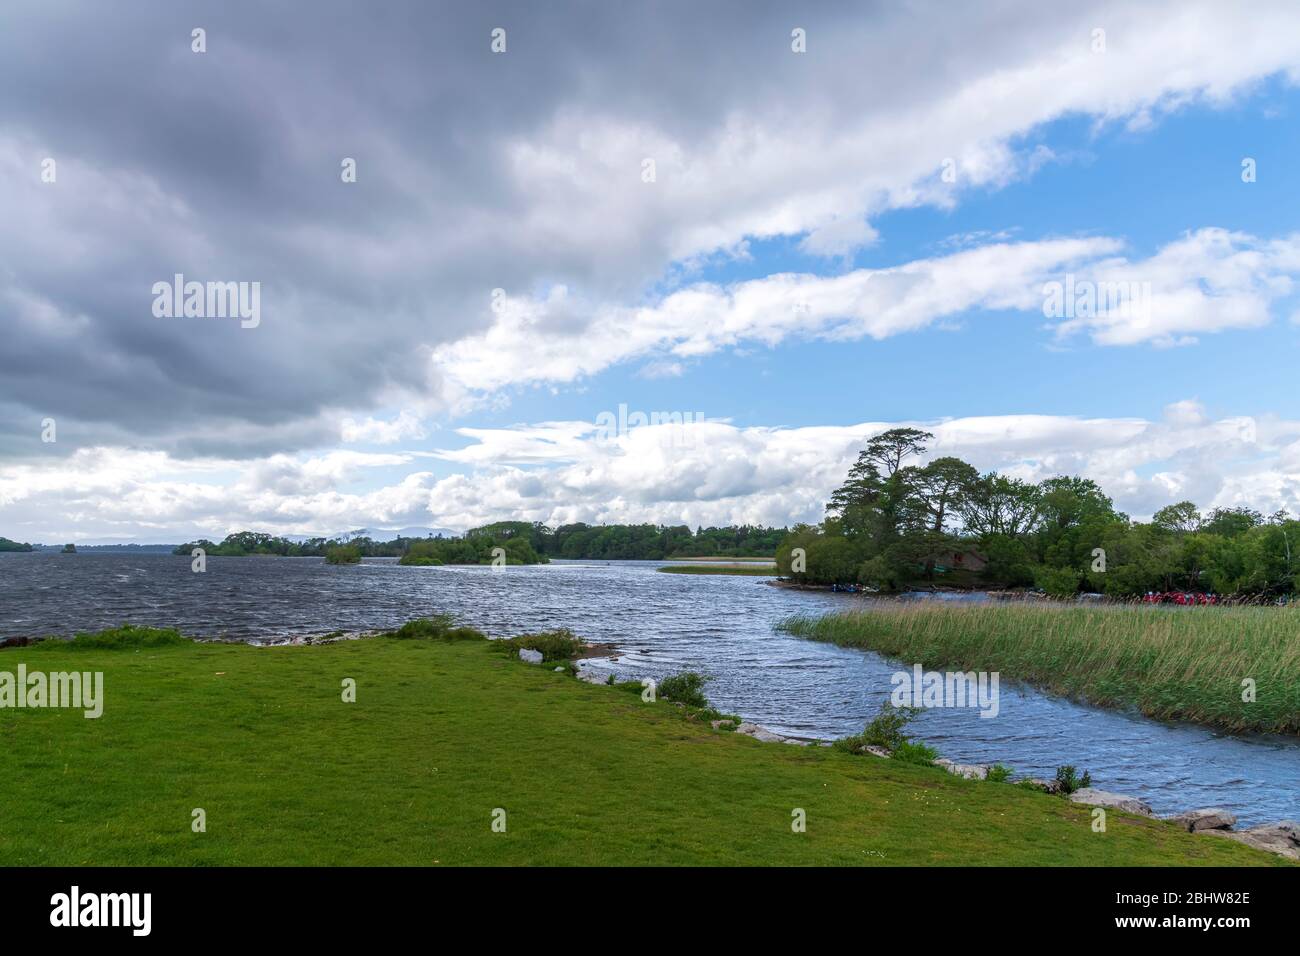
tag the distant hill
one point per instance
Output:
(376, 534)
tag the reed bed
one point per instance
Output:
(1168, 663)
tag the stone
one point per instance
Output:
(873, 750)
(971, 771)
(559, 670)
(758, 733)
(1093, 797)
(724, 722)
(1047, 786)
(1210, 818)
(532, 657)
(1280, 838)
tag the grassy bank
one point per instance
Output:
(442, 732)
(1170, 663)
(753, 570)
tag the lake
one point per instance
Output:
(662, 623)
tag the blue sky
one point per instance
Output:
(1146, 187)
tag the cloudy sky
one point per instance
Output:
(636, 208)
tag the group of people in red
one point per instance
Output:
(1179, 597)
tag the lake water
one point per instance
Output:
(662, 623)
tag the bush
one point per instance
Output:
(1067, 777)
(439, 627)
(913, 751)
(124, 638)
(558, 645)
(685, 688)
(1058, 582)
(880, 573)
(885, 730)
(343, 554)
(999, 773)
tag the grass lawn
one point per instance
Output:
(1171, 663)
(440, 735)
(755, 570)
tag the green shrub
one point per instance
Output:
(126, 637)
(343, 554)
(886, 730)
(558, 645)
(999, 773)
(913, 751)
(439, 627)
(1058, 582)
(1067, 777)
(685, 688)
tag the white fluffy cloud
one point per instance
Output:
(1208, 281)
(698, 473)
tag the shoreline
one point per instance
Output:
(569, 751)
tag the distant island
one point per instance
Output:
(894, 525)
(523, 543)
(7, 545)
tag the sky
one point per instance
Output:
(635, 263)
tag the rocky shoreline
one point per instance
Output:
(1282, 838)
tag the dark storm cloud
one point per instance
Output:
(225, 166)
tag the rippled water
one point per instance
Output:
(662, 623)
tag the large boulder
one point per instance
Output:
(759, 733)
(1092, 797)
(532, 657)
(1210, 818)
(1280, 838)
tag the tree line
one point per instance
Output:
(525, 543)
(894, 524)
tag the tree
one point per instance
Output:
(1066, 501)
(995, 504)
(871, 498)
(937, 491)
(1180, 518)
(1230, 522)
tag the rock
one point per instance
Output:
(1047, 786)
(559, 670)
(724, 722)
(759, 733)
(591, 677)
(871, 749)
(1280, 838)
(971, 771)
(1211, 818)
(1093, 797)
(532, 657)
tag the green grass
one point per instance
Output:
(763, 571)
(443, 732)
(1168, 663)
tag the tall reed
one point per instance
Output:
(1194, 663)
